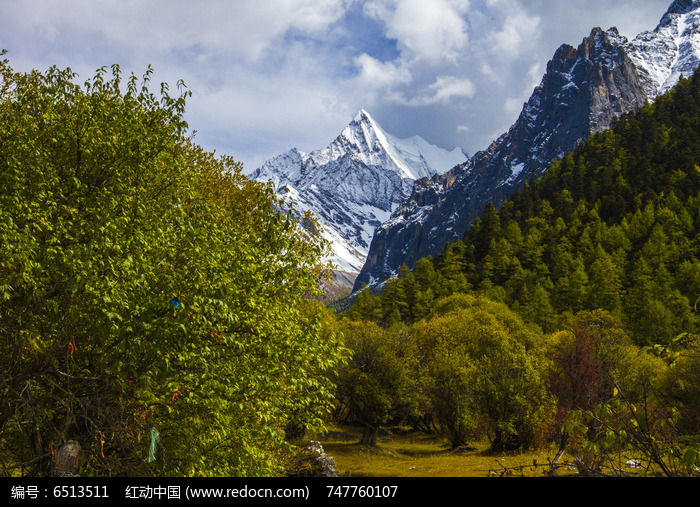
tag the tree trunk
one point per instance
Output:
(369, 436)
(563, 443)
(457, 437)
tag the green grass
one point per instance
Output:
(400, 454)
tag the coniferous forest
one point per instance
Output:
(612, 226)
(164, 311)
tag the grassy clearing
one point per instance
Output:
(400, 454)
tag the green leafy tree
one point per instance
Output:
(447, 376)
(681, 387)
(373, 386)
(451, 375)
(146, 285)
(486, 368)
(395, 306)
(365, 306)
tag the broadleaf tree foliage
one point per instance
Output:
(108, 212)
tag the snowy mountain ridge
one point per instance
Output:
(354, 184)
(671, 50)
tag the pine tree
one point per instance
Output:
(605, 279)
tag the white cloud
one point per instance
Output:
(255, 92)
(535, 75)
(425, 30)
(376, 74)
(513, 105)
(518, 34)
(519, 31)
(488, 71)
(268, 75)
(242, 27)
(445, 90)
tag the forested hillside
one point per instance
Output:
(614, 226)
(569, 315)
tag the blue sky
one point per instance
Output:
(269, 75)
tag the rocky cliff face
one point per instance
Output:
(583, 90)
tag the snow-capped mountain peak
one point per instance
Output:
(671, 50)
(368, 143)
(355, 183)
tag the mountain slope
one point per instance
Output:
(583, 90)
(612, 226)
(355, 183)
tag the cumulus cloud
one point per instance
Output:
(256, 91)
(518, 32)
(432, 31)
(488, 71)
(373, 73)
(244, 27)
(268, 75)
(444, 90)
(513, 105)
